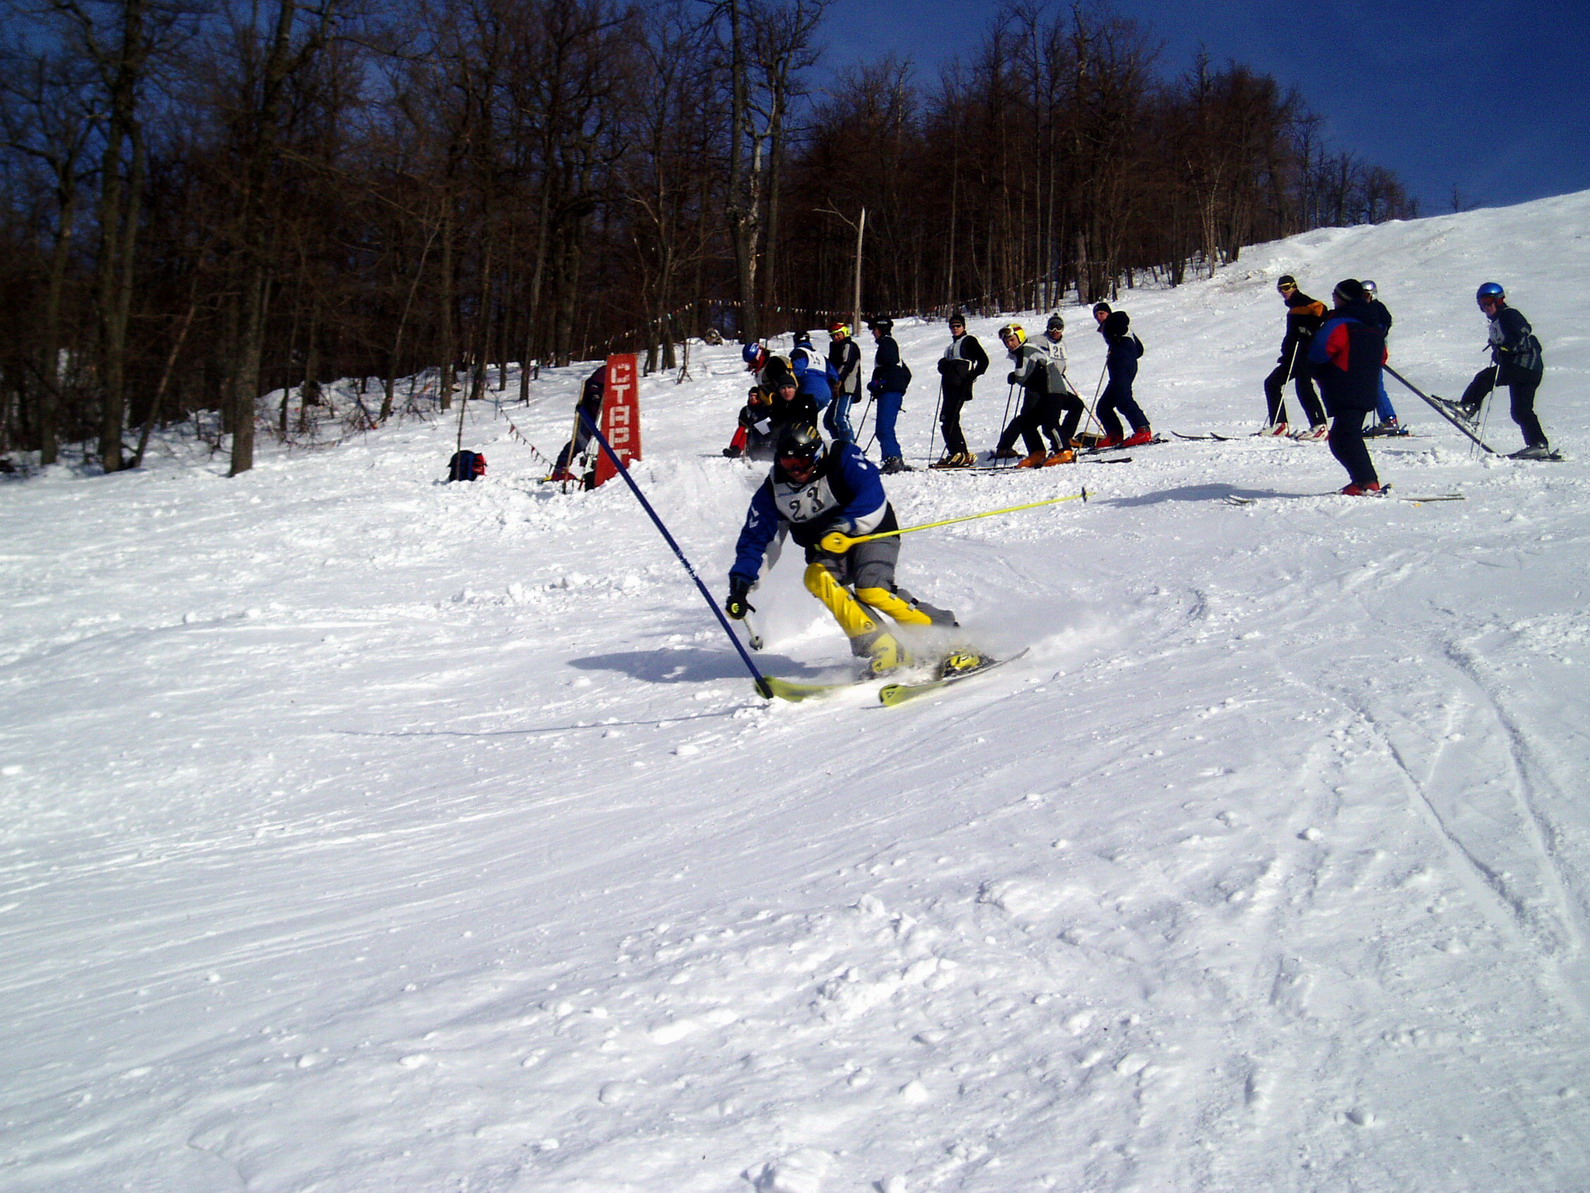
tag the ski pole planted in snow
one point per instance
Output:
(762, 686)
(836, 541)
(1441, 410)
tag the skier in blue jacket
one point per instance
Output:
(814, 490)
(890, 377)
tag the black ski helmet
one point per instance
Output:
(881, 323)
(799, 450)
(1350, 290)
(776, 372)
(1055, 324)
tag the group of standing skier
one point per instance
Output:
(830, 498)
(1344, 349)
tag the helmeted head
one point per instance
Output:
(1491, 297)
(777, 374)
(880, 325)
(798, 453)
(1371, 291)
(1286, 286)
(803, 339)
(1013, 335)
(1116, 323)
(838, 330)
(1055, 328)
(754, 356)
(1349, 290)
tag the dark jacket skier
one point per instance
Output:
(963, 362)
(1303, 317)
(844, 358)
(1380, 316)
(1120, 363)
(589, 407)
(890, 379)
(1516, 362)
(1346, 355)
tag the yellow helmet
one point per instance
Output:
(1013, 329)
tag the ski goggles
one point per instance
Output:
(797, 467)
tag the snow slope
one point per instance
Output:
(365, 833)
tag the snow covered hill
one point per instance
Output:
(365, 833)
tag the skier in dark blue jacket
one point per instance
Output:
(1346, 355)
(890, 377)
(814, 490)
(1124, 351)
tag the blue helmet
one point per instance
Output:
(753, 354)
(1490, 290)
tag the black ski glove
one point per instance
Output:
(737, 606)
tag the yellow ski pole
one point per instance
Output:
(837, 542)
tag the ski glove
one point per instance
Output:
(737, 606)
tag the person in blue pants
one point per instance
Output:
(890, 378)
(1385, 412)
(844, 360)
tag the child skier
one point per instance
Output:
(1516, 362)
(1121, 364)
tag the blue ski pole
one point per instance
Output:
(762, 686)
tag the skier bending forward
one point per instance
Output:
(817, 490)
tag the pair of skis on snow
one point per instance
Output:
(1385, 492)
(891, 694)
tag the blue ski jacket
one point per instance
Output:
(845, 494)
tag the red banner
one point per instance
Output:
(620, 414)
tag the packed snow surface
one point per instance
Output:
(367, 833)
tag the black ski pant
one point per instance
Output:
(1068, 411)
(1118, 397)
(950, 420)
(1307, 396)
(1347, 445)
(1522, 389)
(1025, 425)
(1054, 417)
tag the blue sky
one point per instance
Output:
(1487, 98)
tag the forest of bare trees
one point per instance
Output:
(209, 200)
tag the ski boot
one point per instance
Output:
(885, 654)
